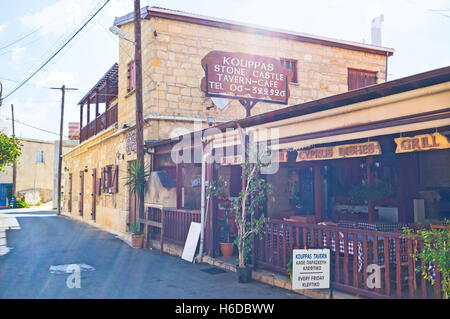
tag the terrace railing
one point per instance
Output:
(102, 122)
(352, 251)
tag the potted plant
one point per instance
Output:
(136, 180)
(245, 206)
(217, 189)
(137, 237)
(226, 244)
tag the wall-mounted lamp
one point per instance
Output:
(125, 126)
(120, 156)
(155, 33)
(86, 169)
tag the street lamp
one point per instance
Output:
(115, 30)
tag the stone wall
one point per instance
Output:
(172, 70)
(104, 149)
(173, 99)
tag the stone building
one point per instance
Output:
(36, 170)
(173, 45)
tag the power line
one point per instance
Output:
(20, 39)
(57, 43)
(31, 84)
(53, 55)
(29, 125)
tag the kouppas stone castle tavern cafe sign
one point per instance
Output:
(245, 76)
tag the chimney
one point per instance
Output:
(74, 131)
(376, 30)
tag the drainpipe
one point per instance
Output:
(202, 209)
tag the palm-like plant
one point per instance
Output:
(137, 178)
(137, 175)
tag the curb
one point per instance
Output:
(263, 276)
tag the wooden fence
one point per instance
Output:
(169, 225)
(352, 250)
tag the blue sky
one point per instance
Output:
(415, 29)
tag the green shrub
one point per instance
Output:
(21, 204)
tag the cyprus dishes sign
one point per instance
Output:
(240, 75)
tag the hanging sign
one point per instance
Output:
(311, 269)
(423, 142)
(131, 145)
(335, 152)
(245, 76)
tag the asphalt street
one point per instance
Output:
(46, 240)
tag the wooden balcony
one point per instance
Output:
(102, 122)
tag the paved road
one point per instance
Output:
(120, 271)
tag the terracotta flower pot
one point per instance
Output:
(227, 249)
(137, 241)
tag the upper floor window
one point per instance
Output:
(360, 78)
(40, 156)
(131, 74)
(291, 65)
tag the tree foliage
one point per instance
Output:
(137, 176)
(246, 206)
(436, 252)
(10, 151)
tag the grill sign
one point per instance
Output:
(423, 142)
(240, 75)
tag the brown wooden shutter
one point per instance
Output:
(360, 78)
(81, 201)
(94, 192)
(104, 180)
(115, 179)
(99, 186)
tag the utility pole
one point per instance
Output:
(61, 126)
(138, 92)
(14, 165)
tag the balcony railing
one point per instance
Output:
(102, 122)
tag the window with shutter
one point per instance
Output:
(291, 65)
(114, 186)
(131, 73)
(360, 78)
(99, 186)
(104, 190)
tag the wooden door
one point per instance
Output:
(81, 201)
(69, 203)
(131, 201)
(94, 194)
